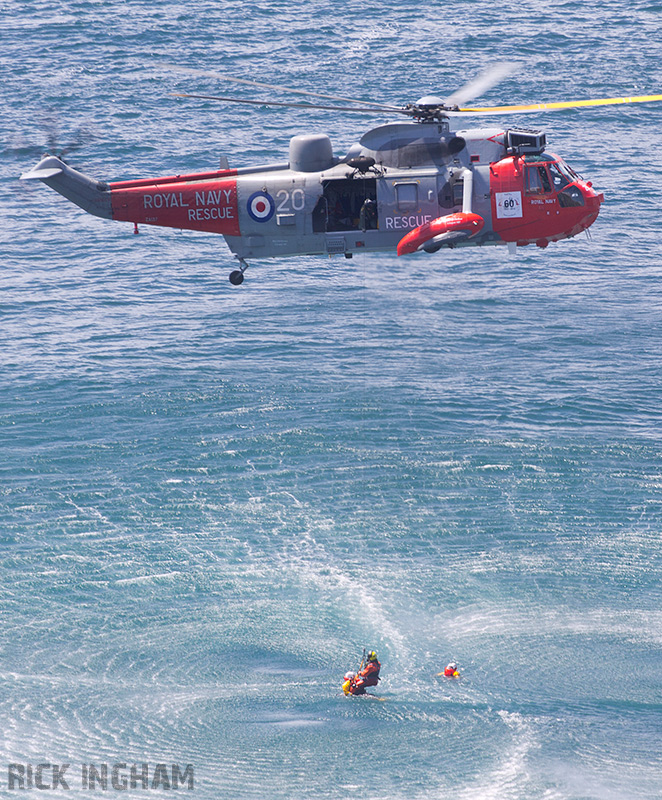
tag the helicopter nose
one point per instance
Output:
(590, 193)
(592, 199)
(592, 202)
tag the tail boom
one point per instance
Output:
(91, 195)
(205, 201)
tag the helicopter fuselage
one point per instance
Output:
(404, 187)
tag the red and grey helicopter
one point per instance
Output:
(408, 186)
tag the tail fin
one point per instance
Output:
(91, 195)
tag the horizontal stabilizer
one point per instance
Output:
(37, 174)
(48, 167)
(91, 195)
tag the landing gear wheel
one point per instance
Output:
(237, 275)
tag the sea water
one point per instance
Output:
(213, 497)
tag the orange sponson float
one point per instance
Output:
(461, 221)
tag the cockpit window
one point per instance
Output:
(571, 197)
(559, 180)
(537, 180)
(551, 158)
(570, 174)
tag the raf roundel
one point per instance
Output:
(260, 206)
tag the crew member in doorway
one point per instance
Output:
(368, 215)
(368, 676)
(320, 215)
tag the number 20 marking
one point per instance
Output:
(297, 198)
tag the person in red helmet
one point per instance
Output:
(367, 676)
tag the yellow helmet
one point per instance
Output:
(372, 656)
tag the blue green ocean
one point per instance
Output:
(212, 498)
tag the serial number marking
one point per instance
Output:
(297, 197)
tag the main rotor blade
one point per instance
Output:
(530, 109)
(260, 85)
(481, 83)
(371, 110)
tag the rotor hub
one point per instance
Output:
(430, 108)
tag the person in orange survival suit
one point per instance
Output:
(368, 676)
(452, 671)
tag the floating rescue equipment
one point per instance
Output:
(461, 222)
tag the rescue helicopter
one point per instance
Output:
(410, 185)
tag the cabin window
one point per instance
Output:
(537, 180)
(406, 196)
(450, 195)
